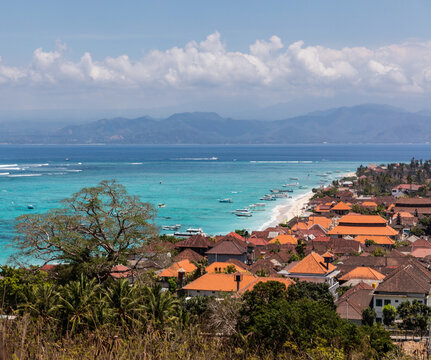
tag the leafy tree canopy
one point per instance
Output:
(95, 229)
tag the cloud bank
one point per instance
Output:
(268, 67)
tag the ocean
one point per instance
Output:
(188, 179)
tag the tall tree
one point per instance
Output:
(97, 228)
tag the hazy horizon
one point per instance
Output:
(258, 60)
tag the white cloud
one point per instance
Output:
(268, 66)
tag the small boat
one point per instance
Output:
(171, 227)
(189, 232)
(289, 185)
(161, 205)
(260, 204)
(30, 207)
(241, 210)
(303, 187)
(268, 198)
(243, 214)
(225, 201)
(294, 178)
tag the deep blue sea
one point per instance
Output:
(193, 178)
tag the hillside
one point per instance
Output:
(358, 124)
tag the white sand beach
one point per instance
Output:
(293, 207)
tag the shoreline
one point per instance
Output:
(290, 209)
(293, 207)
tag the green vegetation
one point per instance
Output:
(389, 314)
(415, 316)
(368, 316)
(97, 228)
(80, 311)
(379, 183)
(423, 227)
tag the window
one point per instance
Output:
(378, 302)
(387, 302)
(396, 301)
(198, 291)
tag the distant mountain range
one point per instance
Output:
(358, 124)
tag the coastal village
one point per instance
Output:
(366, 237)
(361, 243)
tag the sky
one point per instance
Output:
(245, 59)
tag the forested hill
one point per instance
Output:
(358, 124)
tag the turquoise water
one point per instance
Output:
(192, 181)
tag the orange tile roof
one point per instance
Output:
(320, 220)
(236, 236)
(362, 219)
(363, 230)
(300, 226)
(217, 267)
(369, 204)
(172, 271)
(380, 240)
(342, 207)
(284, 239)
(390, 207)
(219, 282)
(328, 254)
(313, 263)
(258, 280)
(120, 271)
(403, 214)
(364, 273)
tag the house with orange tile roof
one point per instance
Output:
(324, 222)
(185, 266)
(235, 235)
(222, 267)
(323, 208)
(355, 224)
(341, 208)
(121, 272)
(371, 205)
(404, 219)
(284, 239)
(378, 240)
(214, 284)
(314, 268)
(362, 274)
(299, 226)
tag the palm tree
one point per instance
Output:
(76, 302)
(40, 300)
(124, 303)
(161, 306)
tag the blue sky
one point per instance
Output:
(235, 57)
